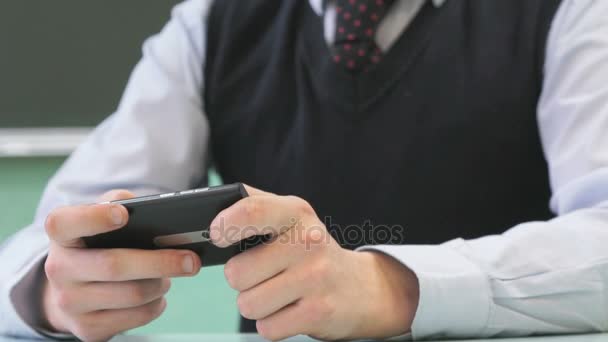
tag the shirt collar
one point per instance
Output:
(317, 5)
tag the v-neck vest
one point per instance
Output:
(438, 141)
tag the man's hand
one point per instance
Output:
(303, 282)
(96, 294)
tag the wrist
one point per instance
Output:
(394, 294)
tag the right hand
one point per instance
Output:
(95, 294)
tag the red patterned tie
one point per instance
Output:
(356, 25)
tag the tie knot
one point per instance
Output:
(356, 24)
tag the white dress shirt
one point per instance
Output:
(539, 277)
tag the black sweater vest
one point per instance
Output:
(438, 141)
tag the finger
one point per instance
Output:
(256, 265)
(258, 215)
(273, 295)
(116, 195)
(66, 225)
(102, 325)
(299, 318)
(89, 297)
(85, 265)
(256, 192)
(101, 215)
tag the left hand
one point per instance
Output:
(303, 282)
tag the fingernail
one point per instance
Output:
(188, 264)
(117, 215)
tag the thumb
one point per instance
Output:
(116, 195)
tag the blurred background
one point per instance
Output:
(63, 67)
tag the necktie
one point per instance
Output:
(356, 25)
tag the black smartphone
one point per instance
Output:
(177, 220)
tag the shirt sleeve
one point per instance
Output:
(155, 141)
(538, 277)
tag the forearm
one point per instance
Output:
(538, 278)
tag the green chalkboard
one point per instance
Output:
(65, 63)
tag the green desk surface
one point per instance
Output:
(255, 338)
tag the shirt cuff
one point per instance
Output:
(10, 305)
(24, 307)
(455, 295)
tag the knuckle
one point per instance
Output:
(321, 270)
(136, 294)
(165, 286)
(64, 300)
(246, 307)
(315, 238)
(153, 310)
(253, 208)
(314, 278)
(52, 268)
(231, 274)
(50, 224)
(323, 267)
(319, 310)
(302, 206)
(147, 313)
